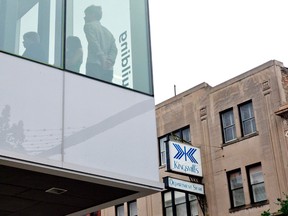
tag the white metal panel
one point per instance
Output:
(110, 128)
(109, 131)
(30, 109)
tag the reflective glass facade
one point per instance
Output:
(106, 40)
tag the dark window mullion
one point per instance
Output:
(188, 204)
(173, 203)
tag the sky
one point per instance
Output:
(212, 41)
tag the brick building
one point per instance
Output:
(241, 128)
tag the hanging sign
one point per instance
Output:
(183, 158)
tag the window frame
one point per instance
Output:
(193, 201)
(251, 119)
(57, 22)
(231, 190)
(188, 203)
(162, 150)
(231, 126)
(116, 209)
(171, 136)
(177, 135)
(250, 184)
(129, 205)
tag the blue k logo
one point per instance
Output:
(183, 152)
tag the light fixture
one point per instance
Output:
(55, 190)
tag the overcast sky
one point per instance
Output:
(195, 41)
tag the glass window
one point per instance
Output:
(162, 142)
(247, 118)
(109, 40)
(132, 208)
(256, 180)
(186, 135)
(228, 125)
(182, 135)
(180, 203)
(175, 135)
(168, 204)
(177, 203)
(193, 205)
(236, 188)
(32, 29)
(120, 210)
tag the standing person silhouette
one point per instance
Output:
(102, 50)
(33, 49)
(74, 53)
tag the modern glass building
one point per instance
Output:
(77, 106)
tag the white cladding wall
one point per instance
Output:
(108, 130)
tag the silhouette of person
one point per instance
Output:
(74, 53)
(33, 49)
(102, 50)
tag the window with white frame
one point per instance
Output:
(162, 143)
(256, 183)
(247, 118)
(228, 125)
(236, 188)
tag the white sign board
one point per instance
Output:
(184, 158)
(184, 185)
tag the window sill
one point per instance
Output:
(240, 139)
(256, 133)
(252, 205)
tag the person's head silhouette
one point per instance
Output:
(33, 49)
(93, 13)
(30, 38)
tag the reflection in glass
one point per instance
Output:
(186, 135)
(33, 48)
(259, 192)
(238, 197)
(102, 50)
(228, 125)
(120, 210)
(257, 183)
(193, 205)
(132, 208)
(247, 118)
(168, 199)
(180, 203)
(30, 28)
(168, 203)
(74, 53)
(114, 37)
(162, 143)
(236, 187)
(115, 41)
